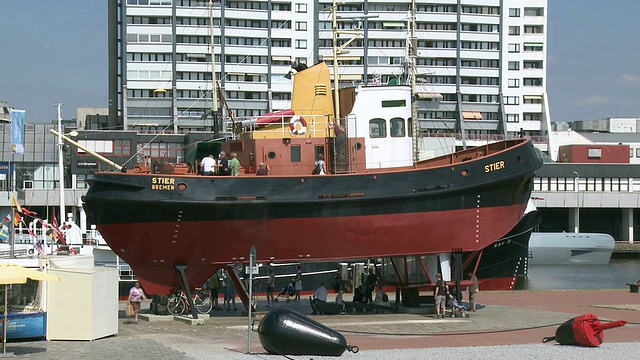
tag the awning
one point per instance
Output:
(529, 97)
(429, 96)
(281, 58)
(471, 115)
(196, 56)
(393, 24)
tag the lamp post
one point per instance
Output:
(576, 219)
(252, 262)
(60, 165)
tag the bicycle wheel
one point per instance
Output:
(176, 306)
(203, 304)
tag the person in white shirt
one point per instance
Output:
(208, 165)
(321, 293)
(319, 298)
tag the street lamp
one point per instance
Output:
(576, 220)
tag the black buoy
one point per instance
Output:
(288, 332)
(584, 330)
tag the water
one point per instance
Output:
(614, 275)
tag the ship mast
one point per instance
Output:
(336, 98)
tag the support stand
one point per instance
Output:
(457, 259)
(185, 285)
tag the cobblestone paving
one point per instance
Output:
(225, 331)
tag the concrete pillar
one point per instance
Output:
(574, 220)
(627, 225)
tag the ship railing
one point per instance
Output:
(317, 125)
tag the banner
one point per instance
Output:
(17, 131)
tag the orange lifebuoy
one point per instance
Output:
(293, 129)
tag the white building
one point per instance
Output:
(481, 64)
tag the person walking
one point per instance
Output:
(441, 296)
(297, 283)
(136, 294)
(271, 281)
(473, 289)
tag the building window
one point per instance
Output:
(295, 153)
(513, 118)
(301, 26)
(301, 44)
(532, 81)
(514, 30)
(532, 116)
(533, 29)
(514, 12)
(512, 100)
(397, 127)
(533, 99)
(533, 47)
(514, 83)
(533, 64)
(301, 8)
(514, 65)
(595, 153)
(533, 11)
(377, 128)
(514, 48)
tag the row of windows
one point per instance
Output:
(144, 20)
(149, 38)
(378, 128)
(528, 47)
(515, 83)
(123, 148)
(528, 11)
(149, 2)
(526, 64)
(585, 184)
(148, 75)
(527, 99)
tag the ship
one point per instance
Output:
(570, 248)
(382, 205)
(378, 199)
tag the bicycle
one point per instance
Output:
(178, 304)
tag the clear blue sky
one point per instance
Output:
(57, 50)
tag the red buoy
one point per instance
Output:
(584, 330)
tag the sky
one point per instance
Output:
(56, 50)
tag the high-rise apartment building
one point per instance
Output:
(480, 64)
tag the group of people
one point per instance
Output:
(221, 166)
(441, 293)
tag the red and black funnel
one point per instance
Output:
(584, 330)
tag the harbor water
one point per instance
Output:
(614, 275)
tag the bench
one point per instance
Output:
(633, 287)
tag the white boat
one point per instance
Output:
(570, 248)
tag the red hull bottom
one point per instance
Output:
(152, 249)
(503, 283)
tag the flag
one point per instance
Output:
(8, 217)
(17, 131)
(4, 233)
(15, 203)
(17, 219)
